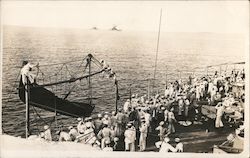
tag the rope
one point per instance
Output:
(45, 65)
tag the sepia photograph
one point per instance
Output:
(124, 79)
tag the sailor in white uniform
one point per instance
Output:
(26, 72)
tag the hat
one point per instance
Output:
(79, 119)
(113, 112)
(42, 134)
(99, 115)
(88, 124)
(129, 125)
(161, 123)
(105, 122)
(25, 62)
(58, 132)
(116, 139)
(166, 139)
(120, 109)
(106, 116)
(177, 140)
(138, 108)
(70, 127)
(163, 108)
(46, 127)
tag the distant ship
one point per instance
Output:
(94, 28)
(114, 28)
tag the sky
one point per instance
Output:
(177, 16)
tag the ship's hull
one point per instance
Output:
(42, 98)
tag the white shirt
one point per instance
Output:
(165, 147)
(179, 147)
(126, 106)
(130, 135)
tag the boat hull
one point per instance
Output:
(42, 98)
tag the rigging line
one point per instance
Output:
(68, 72)
(39, 115)
(97, 62)
(36, 121)
(70, 80)
(14, 86)
(157, 48)
(60, 63)
(82, 61)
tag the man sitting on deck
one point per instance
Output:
(165, 146)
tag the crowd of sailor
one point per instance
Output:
(142, 116)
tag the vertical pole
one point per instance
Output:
(90, 88)
(27, 108)
(166, 77)
(148, 88)
(116, 96)
(157, 48)
(207, 70)
(130, 94)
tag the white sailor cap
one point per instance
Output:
(99, 115)
(70, 127)
(46, 127)
(177, 140)
(161, 123)
(166, 139)
(106, 116)
(88, 124)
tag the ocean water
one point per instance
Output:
(131, 54)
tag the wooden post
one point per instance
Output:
(27, 109)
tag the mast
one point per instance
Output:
(27, 117)
(89, 79)
(157, 48)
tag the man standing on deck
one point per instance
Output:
(219, 113)
(26, 72)
(130, 137)
(126, 106)
(98, 123)
(120, 120)
(143, 135)
(171, 120)
(105, 135)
